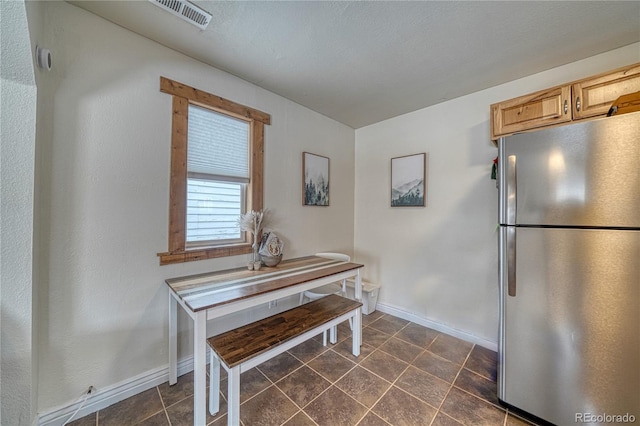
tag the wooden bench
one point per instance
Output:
(245, 347)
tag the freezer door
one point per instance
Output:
(585, 174)
(570, 337)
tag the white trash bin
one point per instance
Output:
(369, 295)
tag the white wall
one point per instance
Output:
(439, 263)
(18, 350)
(104, 182)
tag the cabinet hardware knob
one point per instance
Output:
(566, 106)
(578, 105)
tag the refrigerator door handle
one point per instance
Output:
(511, 190)
(511, 260)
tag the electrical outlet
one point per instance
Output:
(273, 304)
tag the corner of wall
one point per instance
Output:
(18, 358)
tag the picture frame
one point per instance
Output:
(315, 180)
(408, 180)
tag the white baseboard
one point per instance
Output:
(102, 398)
(443, 328)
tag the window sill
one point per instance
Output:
(202, 253)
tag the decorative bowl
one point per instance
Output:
(271, 260)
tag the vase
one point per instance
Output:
(271, 260)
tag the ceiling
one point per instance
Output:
(360, 62)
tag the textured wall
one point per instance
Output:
(440, 262)
(104, 179)
(18, 382)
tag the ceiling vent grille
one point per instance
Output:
(185, 10)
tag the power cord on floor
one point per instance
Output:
(84, 399)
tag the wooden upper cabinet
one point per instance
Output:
(582, 99)
(531, 111)
(594, 96)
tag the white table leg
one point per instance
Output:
(333, 334)
(233, 397)
(199, 364)
(214, 383)
(173, 339)
(357, 320)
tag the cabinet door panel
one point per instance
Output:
(594, 96)
(531, 111)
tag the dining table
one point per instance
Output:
(212, 295)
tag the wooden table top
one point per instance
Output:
(208, 290)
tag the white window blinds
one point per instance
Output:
(217, 174)
(218, 146)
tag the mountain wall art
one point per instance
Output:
(408, 181)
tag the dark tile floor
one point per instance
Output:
(406, 375)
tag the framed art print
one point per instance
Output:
(315, 180)
(408, 178)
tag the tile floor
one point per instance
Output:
(406, 375)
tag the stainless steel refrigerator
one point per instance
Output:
(569, 244)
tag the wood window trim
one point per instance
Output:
(184, 95)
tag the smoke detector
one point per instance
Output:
(185, 10)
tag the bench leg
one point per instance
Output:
(356, 339)
(233, 397)
(214, 383)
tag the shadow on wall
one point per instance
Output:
(447, 270)
(94, 263)
(479, 139)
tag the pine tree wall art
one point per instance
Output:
(315, 180)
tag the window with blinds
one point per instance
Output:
(217, 175)
(217, 168)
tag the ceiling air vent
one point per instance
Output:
(185, 10)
